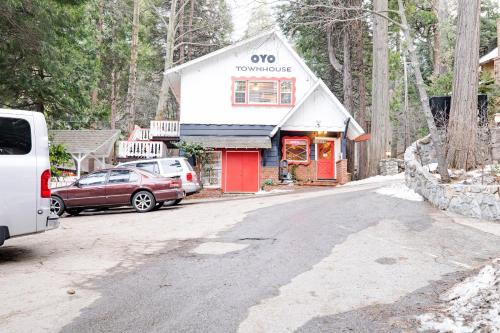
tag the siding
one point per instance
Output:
(225, 130)
(271, 157)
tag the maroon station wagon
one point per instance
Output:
(119, 186)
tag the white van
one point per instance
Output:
(24, 174)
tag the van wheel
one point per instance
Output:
(143, 201)
(56, 206)
(74, 211)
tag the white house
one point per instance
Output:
(256, 103)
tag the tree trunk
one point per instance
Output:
(163, 98)
(115, 90)
(190, 29)
(132, 80)
(95, 91)
(348, 95)
(361, 114)
(462, 143)
(424, 99)
(439, 9)
(380, 124)
(181, 31)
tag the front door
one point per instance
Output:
(325, 160)
(242, 171)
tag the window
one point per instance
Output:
(263, 91)
(171, 166)
(286, 92)
(240, 92)
(211, 171)
(148, 166)
(122, 176)
(15, 136)
(97, 178)
(296, 150)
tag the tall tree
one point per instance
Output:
(441, 13)
(380, 92)
(132, 80)
(162, 108)
(462, 136)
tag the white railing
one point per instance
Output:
(141, 149)
(164, 128)
(141, 134)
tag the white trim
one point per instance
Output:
(341, 107)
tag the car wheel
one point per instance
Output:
(159, 205)
(74, 211)
(143, 201)
(56, 206)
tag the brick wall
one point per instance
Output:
(269, 173)
(304, 172)
(342, 172)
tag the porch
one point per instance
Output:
(150, 142)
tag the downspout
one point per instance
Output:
(344, 139)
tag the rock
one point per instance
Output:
(71, 291)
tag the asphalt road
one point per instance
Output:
(352, 261)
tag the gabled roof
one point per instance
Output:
(173, 74)
(354, 129)
(98, 142)
(489, 56)
(226, 49)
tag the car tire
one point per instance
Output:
(143, 201)
(159, 205)
(57, 206)
(74, 211)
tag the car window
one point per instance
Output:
(148, 166)
(15, 136)
(190, 167)
(171, 166)
(97, 178)
(122, 176)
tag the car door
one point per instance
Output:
(121, 183)
(89, 191)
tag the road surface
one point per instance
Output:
(341, 260)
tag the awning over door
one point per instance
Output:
(230, 142)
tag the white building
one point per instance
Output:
(256, 103)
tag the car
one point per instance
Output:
(114, 187)
(171, 167)
(24, 174)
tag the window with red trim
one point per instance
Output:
(296, 150)
(263, 91)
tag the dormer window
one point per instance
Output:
(263, 91)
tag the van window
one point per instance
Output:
(15, 136)
(148, 166)
(171, 166)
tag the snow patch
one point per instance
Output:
(274, 191)
(377, 179)
(471, 306)
(218, 248)
(400, 191)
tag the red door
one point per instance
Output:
(325, 160)
(242, 171)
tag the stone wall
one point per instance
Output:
(479, 201)
(390, 166)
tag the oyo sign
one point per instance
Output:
(264, 58)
